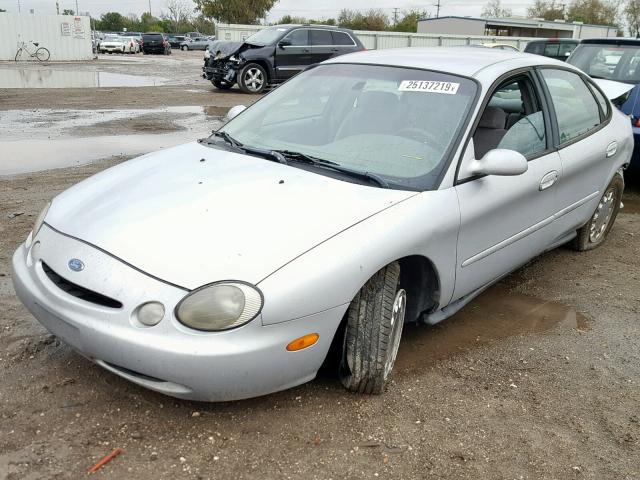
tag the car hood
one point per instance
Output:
(192, 215)
(224, 49)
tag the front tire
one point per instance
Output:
(252, 78)
(18, 54)
(372, 336)
(221, 86)
(185, 48)
(595, 231)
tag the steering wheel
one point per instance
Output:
(418, 135)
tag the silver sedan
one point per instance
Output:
(374, 189)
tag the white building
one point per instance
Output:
(513, 27)
(67, 37)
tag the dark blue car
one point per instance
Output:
(615, 59)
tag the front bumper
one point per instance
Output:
(169, 358)
(220, 70)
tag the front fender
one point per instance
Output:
(331, 273)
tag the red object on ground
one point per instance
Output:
(106, 460)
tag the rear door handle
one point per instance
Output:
(548, 180)
(612, 148)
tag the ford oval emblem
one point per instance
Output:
(76, 265)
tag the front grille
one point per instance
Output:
(78, 291)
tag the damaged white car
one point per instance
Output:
(374, 189)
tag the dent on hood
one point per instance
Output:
(224, 49)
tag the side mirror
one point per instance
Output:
(285, 42)
(235, 111)
(500, 162)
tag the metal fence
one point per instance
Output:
(65, 36)
(379, 40)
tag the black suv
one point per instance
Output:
(274, 54)
(558, 48)
(155, 43)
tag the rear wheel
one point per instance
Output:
(18, 54)
(595, 231)
(372, 336)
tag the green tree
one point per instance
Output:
(547, 9)
(596, 12)
(235, 11)
(494, 9)
(374, 19)
(632, 15)
(200, 24)
(409, 21)
(111, 22)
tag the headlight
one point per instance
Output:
(40, 219)
(220, 306)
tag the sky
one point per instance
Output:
(299, 8)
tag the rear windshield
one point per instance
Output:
(612, 62)
(152, 36)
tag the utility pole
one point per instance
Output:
(149, 7)
(77, 12)
(438, 10)
(395, 15)
(18, 6)
(57, 8)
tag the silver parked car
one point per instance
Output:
(374, 189)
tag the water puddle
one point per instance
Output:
(43, 139)
(54, 78)
(495, 315)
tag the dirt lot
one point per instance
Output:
(536, 379)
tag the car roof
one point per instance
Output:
(612, 41)
(555, 40)
(463, 61)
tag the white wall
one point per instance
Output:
(69, 42)
(379, 40)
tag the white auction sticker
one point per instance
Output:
(430, 86)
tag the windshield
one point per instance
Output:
(397, 123)
(613, 62)
(266, 36)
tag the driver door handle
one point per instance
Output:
(548, 180)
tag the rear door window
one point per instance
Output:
(551, 49)
(321, 38)
(576, 108)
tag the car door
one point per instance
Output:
(321, 45)
(342, 43)
(293, 53)
(587, 151)
(506, 220)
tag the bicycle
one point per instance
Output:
(41, 53)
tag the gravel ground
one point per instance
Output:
(535, 379)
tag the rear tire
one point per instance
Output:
(595, 231)
(372, 335)
(18, 54)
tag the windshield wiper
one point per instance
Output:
(227, 138)
(322, 163)
(268, 154)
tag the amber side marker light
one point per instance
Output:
(303, 342)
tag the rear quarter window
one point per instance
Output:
(341, 38)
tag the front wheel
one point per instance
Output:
(18, 54)
(253, 79)
(185, 48)
(595, 231)
(372, 336)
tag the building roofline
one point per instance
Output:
(519, 22)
